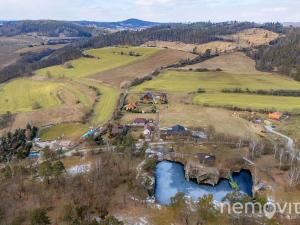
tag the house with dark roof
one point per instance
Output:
(177, 130)
(148, 97)
(140, 121)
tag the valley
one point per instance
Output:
(119, 132)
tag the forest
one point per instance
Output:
(49, 28)
(282, 56)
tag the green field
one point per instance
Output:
(104, 108)
(71, 131)
(25, 95)
(21, 95)
(178, 81)
(250, 101)
(214, 82)
(105, 59)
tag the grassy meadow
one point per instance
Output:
(280, 103)
(69, 85)
(71, 131)
(24, 95)
(180, 81)
(214, 82)
(104, 108)
(105, 59)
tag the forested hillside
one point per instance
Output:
(48, 28)
(195, 33)
(132, 24)
(283, 56)
(33, 61)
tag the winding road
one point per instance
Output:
(290, 141)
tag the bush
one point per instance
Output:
(36, 105)
(150, 165)
(68, 65)
(39, 217)
(201, 90)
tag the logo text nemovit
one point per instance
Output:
(269, 209)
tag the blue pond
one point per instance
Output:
(170, 180)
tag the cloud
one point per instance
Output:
(155, 10)
(275, 9)
(154, 2)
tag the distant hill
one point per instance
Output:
(195, 33)
(294, 24)
(50, 28)
(130, 24)
(53, 28)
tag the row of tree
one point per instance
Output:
(279, 92)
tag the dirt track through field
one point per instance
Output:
(123, 74)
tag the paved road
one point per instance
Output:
(290, 141)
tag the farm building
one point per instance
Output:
(130, 107)
(147, 132)
(275, 115)
(119, 129)
(177, 130)
(199, 135)
(161, 97)
(140, 121)
(148, 97)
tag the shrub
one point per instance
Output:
(201, 90)
(39, 217)
(150, 165)
(36, 105)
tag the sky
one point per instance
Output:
(153, 10)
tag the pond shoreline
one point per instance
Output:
(170, 179)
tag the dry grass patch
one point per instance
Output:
(254, 37)
(236, 63)
(71, 131)
(140, 68)
(177, 112)
(215, 46)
